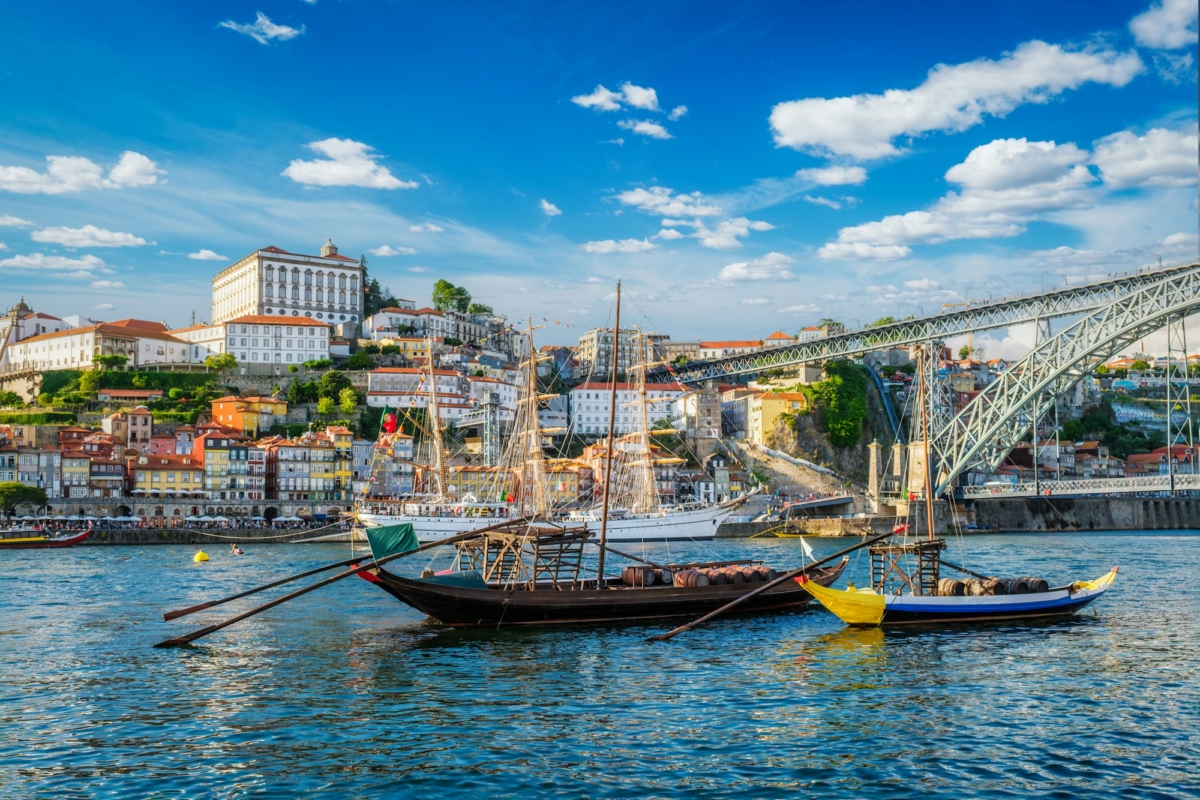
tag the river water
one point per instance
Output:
(348, 693)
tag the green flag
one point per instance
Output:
(388, 540)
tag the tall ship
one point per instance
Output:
(520, 485)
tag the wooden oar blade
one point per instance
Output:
(179, 641)
(183, 612)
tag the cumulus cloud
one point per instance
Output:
(834, 176)
(1167, 24)
(348, 163)
(859, 251)
(618, 141)
(103, 307)
(755, 301)
(67, 174)
(822, 201)
(87, 236)
(622, 246)
(725, 236)
(922, 284)
(668, 234)
(549, 209)
(388, 250)
(640, 96)
(207, 255)
(807, 308)
(771, 267)
(426, 227)
(263, 30)
(661, 201)
(678, 112)
(107, 285)
(83, 264)
(952, 99)
(418, 270)
(600, 99)
(645, 127)
(1161, 157)
(13, 222)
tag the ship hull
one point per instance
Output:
(38, 542)
(697, 525)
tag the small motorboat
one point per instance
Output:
(30, 538)
(867, 607)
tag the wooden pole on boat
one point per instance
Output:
(612, 418)
(374, 563)
(662, 637)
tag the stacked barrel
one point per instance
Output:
(981, 587)
(641, 577)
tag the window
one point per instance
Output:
(270, 290)
(342, 298)
(354, 298)
(308, 279)
(342, 281)
(308, 294)
(243, 340)
(320, 296)
(270, 274)
(296, 276)
(354, 282)
(295, 292)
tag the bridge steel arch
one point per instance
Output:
(999, 314)
(985, 431)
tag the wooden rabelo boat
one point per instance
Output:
(33, 538)
(533, 577)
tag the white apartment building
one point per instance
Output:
(478, 388)
(595, 354)
(260, 339)
(590, 406)
(140, 341)
(481, 330)
(274, 282)
(405, 388)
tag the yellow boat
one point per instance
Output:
(867, 607)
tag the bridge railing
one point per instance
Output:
(1056, 488)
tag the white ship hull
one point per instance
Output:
(690, 525)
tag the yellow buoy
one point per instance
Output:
(200, 557)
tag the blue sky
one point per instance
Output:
(741, 169)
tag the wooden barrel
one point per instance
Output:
(770, 574)
(993, 586)
(716, 577)
(735, 575)
(1015, 586)
(1037, 584)
(975, 588)
(951, 587)
(664, 576)
(752, 575)
(690, 578)
(637, 576)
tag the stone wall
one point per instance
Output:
(1089, 513)
(214, 540)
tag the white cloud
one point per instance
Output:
(103, 307)
(3, 247)
(755, 301)
(426, 227)
(622, 246)
(922, 284)
(42, 261)
(858, 251)
(645, 127)
(834, 176)
(1161, 157)
(618, 141)
(596, 279)
(87, 236)
(727, 232)
(802, 309)
(1168, 24)
(1174, 67)
(207, 255)
(66, 174)
(640, 97)
(952, 98)
(1182, 244)
(678, 112)
(134, 169)
(262, 30)
(14, 222)
(349, 163)
(822, 201)
(771, 267)
(661, 201)
(549, 209)
(107, 285)
(388, 250)
(668, 234)
(600, 99)
(418, 270)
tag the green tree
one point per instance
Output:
(348, 400)
(882, 321)
(1102, 369)
(221, 361)
(1140, 365)
(964, 352)
(830, 321)
(370, 349)
(293, 368)
(175, 393)
(331, 384)
(448, 297)
(390, 350)
(12, 493)
(325, 406)
(842, 401)
(111, 362)
(89, 382)
(359, 360)
(45, 400)
(11, 400)
(318, 363)
(479, 308)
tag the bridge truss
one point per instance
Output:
(985, 431)
(1038, 308)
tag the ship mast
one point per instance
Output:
(930, 365)
(649, 486)
(608, 457)
(433, 422)
(533, 468)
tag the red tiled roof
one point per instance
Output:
(650, 387)
(264, 319)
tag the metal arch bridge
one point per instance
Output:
(982, 434)
(1155, 484)
(999, 314)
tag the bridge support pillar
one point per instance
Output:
(875, 473)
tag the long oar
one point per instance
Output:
(964, 569)
(191, 637)
(662, 637)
